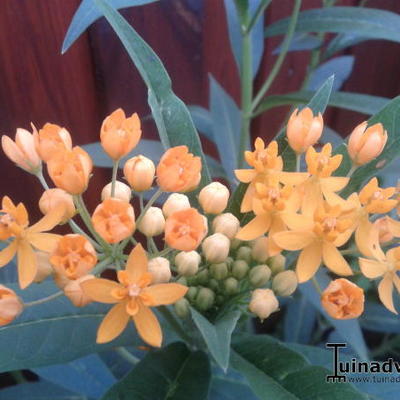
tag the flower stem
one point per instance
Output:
(152, 200)
(261, 8)
(298, 162)
(114, 177)
(351, 170)
(316, 285)
(101, 266)
(40, 176)
(127, 355)
(44, 299)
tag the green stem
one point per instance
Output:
(152, 200)
(44, 299)
(141, 203)
(40, 176)
(102, 265)
(174, 324)
(351, 170)
(114, 177)
(298, 162)
(316, 285)
(261, 8)
(127, 355)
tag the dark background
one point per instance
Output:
(78, 89)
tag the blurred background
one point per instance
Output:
(78, 89)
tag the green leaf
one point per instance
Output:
(362, 103)
(202, 120)
(172, 373)
(300, 42)
(340, 42)
(217, 336)
(367, 22)
(87, 13)
(224, 388)
(174, 123)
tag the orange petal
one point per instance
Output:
(165, 293)
(148, 326)
(309, 261)
(277, 226)
(297, 221)
(245, 175)
(27, 264)
(113, 323)
(312, 197)
(44, 241)
(49, 221)
(8, 253)
(294, 240)
(333, 183)
(137, 262)
(334, 260)
(394, 227)
(366, 241)
(255, 228)
(385, 291)
(100, 289)
(371, 268)
(291, 178)
(247, 200)
(343, 238)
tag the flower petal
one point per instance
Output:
(113, 323)
(255, 228)
(333, 183)
(294, 240)
(372, 268)
(49, 221)
(247, 201)
(100, 289)
(44, 241)
(312, 197)
(291, 178)
(367, 241)
(8, 253)
(277, 226)
(334, 260)
(165, 293)
(137, 262)
(309, 261)
(245, 175)
(27, 264)
(297, 221)
(385, 291)
(148, 326)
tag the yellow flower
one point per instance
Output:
(14, 224)
(133, 296)
(385, 268)
(318, 237)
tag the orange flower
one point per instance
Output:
(73, 257)
(133, 296)
(70, 170)
(52, 198)
(10, 305)
(343, 299)
(120, 135)
(114, 220)
(14, 223)
(178, 170)
(185, 229)
(385, 268)
(50, 139)
(22, 152)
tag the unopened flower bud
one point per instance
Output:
(229, 262)
(205, 299)
(235, 243)
(121, 191)
(263, 303)
(227, 224)
(182, 280)
(231, 286)
(159, 268)
(75, 293)
(259, 251)
(175, 202)
(240, 268)
(259, 275)
(139, 171)
(10, 305)
(202, 277)
(182, 308)
(366, 143)
(53, 198)
(219, 271)
(152, 223)
(303, 129)
(284, 283)
(187, 262)
(277, 263)
(191, 294)
(213, 284)
(213, 198)
(244, 253)
(216, 248)
(44, 268)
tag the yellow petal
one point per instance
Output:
(372, 268)
(366, 241)
(312, 197)
(277, 225)
(297, 221)
(333, 183)
(148, 326)
(309, 261)
(27, 264)
(255, 228)
(334, 260)
(385, 291)
(247, 201)
(49, 221)
(8, 253)
(113, 323)
(136, 265)
(343, 238)
(245, 175)
(165, 293)
(291, 178)
(100, 289)
(394, 227)
(396, 281)
(44, 241)
(294, 240)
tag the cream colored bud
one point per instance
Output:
(259, 275)
(205, 221)
(240, 268)
(231, 286)
(52, 198)
(216, 248)
(121, 191)
(44, 268)
(227, 224)
(175, 202)
(10, 305)
(259, 251)
(263, 303)
(214, 197)
(277, 263)
(187, 262)
(285, 283)
(152, 223)
(159, 268)
(139, 171)
(74, 292)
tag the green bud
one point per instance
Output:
(203, 277)
(240, 269)
(219, 271)
(259, 275)
(213, 284)
(192, 293)
(231, 286)
(235, 243)
(284, 283)
(182, 308)
(277, 263)
(205, 299)
(182, 280)
(244, 253)
(229, 262)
